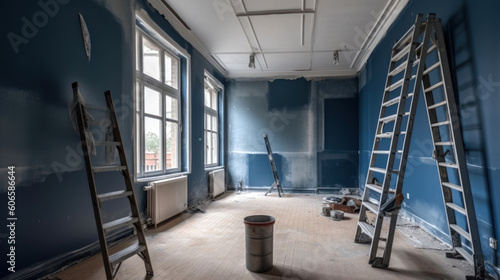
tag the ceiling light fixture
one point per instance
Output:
(336, 57)
(251, 64)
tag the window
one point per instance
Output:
(158, 108)
(212, 89)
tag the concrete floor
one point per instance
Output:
(306, 246)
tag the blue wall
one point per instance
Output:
(53, 205)
(475, 65)
(292, 113)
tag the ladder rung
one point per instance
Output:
(444, 143)
(438, 104)
(113, 195)
(379, 170)
(456, 207)
(430, 69)
(367, 228)
(429, 89)
(119, 223)
(398, 69)
(395, 85)
(461, 231)
(381, 152)
(391, 102)
(126, 253)
(384, 135)
(94, 107)
(378, 188)
(107, 143)
(401, 53)
(431, 49)
(371, 206)
(410, 94)
(389, 118)
(440, 123)
(465, 254)
(447, 164)
(452, 186)
(407, 36)
(108, 168)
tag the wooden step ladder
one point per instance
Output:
(112, 262)
(419, 62)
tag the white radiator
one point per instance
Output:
(217, 184)
(166, 198)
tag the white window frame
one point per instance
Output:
(216, 87)
(147, 28)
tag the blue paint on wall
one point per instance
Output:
(425, 202)
(291, 113)
(52, 198)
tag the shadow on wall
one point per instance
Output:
(471, 90)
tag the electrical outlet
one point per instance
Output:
(493, 243)
(408, 195)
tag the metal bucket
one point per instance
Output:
(259, 242)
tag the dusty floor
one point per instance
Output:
(306, 246)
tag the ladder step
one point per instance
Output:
(395, 85)
(384, 135)
(431, 48)
(460, 231)
(453, 186)
(448, 143)
(371, 206)
(367, 228)
(438, 104)
(398, 69)
(447, 164)
(119, 223)
(108, 168)
(429, 89)
(407, 36)
(381, 152)
(113, 195)
(440, 123)
(126, 253)
(401, 53)
(456, 208)
(107, 143)
(465, 254)
(430, 69)
(389, 118)
(391, 102)
(378, 188)
(379, 170)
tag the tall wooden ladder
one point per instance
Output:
(112, 261)
(277, 183)
(419, 61)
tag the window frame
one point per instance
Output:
(147, 28)
(216, 88)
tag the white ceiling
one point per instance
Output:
(291, 38)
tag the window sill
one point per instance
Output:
(213, 168)
(160, 177)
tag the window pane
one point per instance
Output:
(214, 123)
(151, 59)
(171, 70)
(172, 108)
(137, 142)
(215, 151)
(137, 50)
(152, 101)
(208, 152)
(207, 97)
(208, 119)
(153, 144)
(172, 149)
(214, 100)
